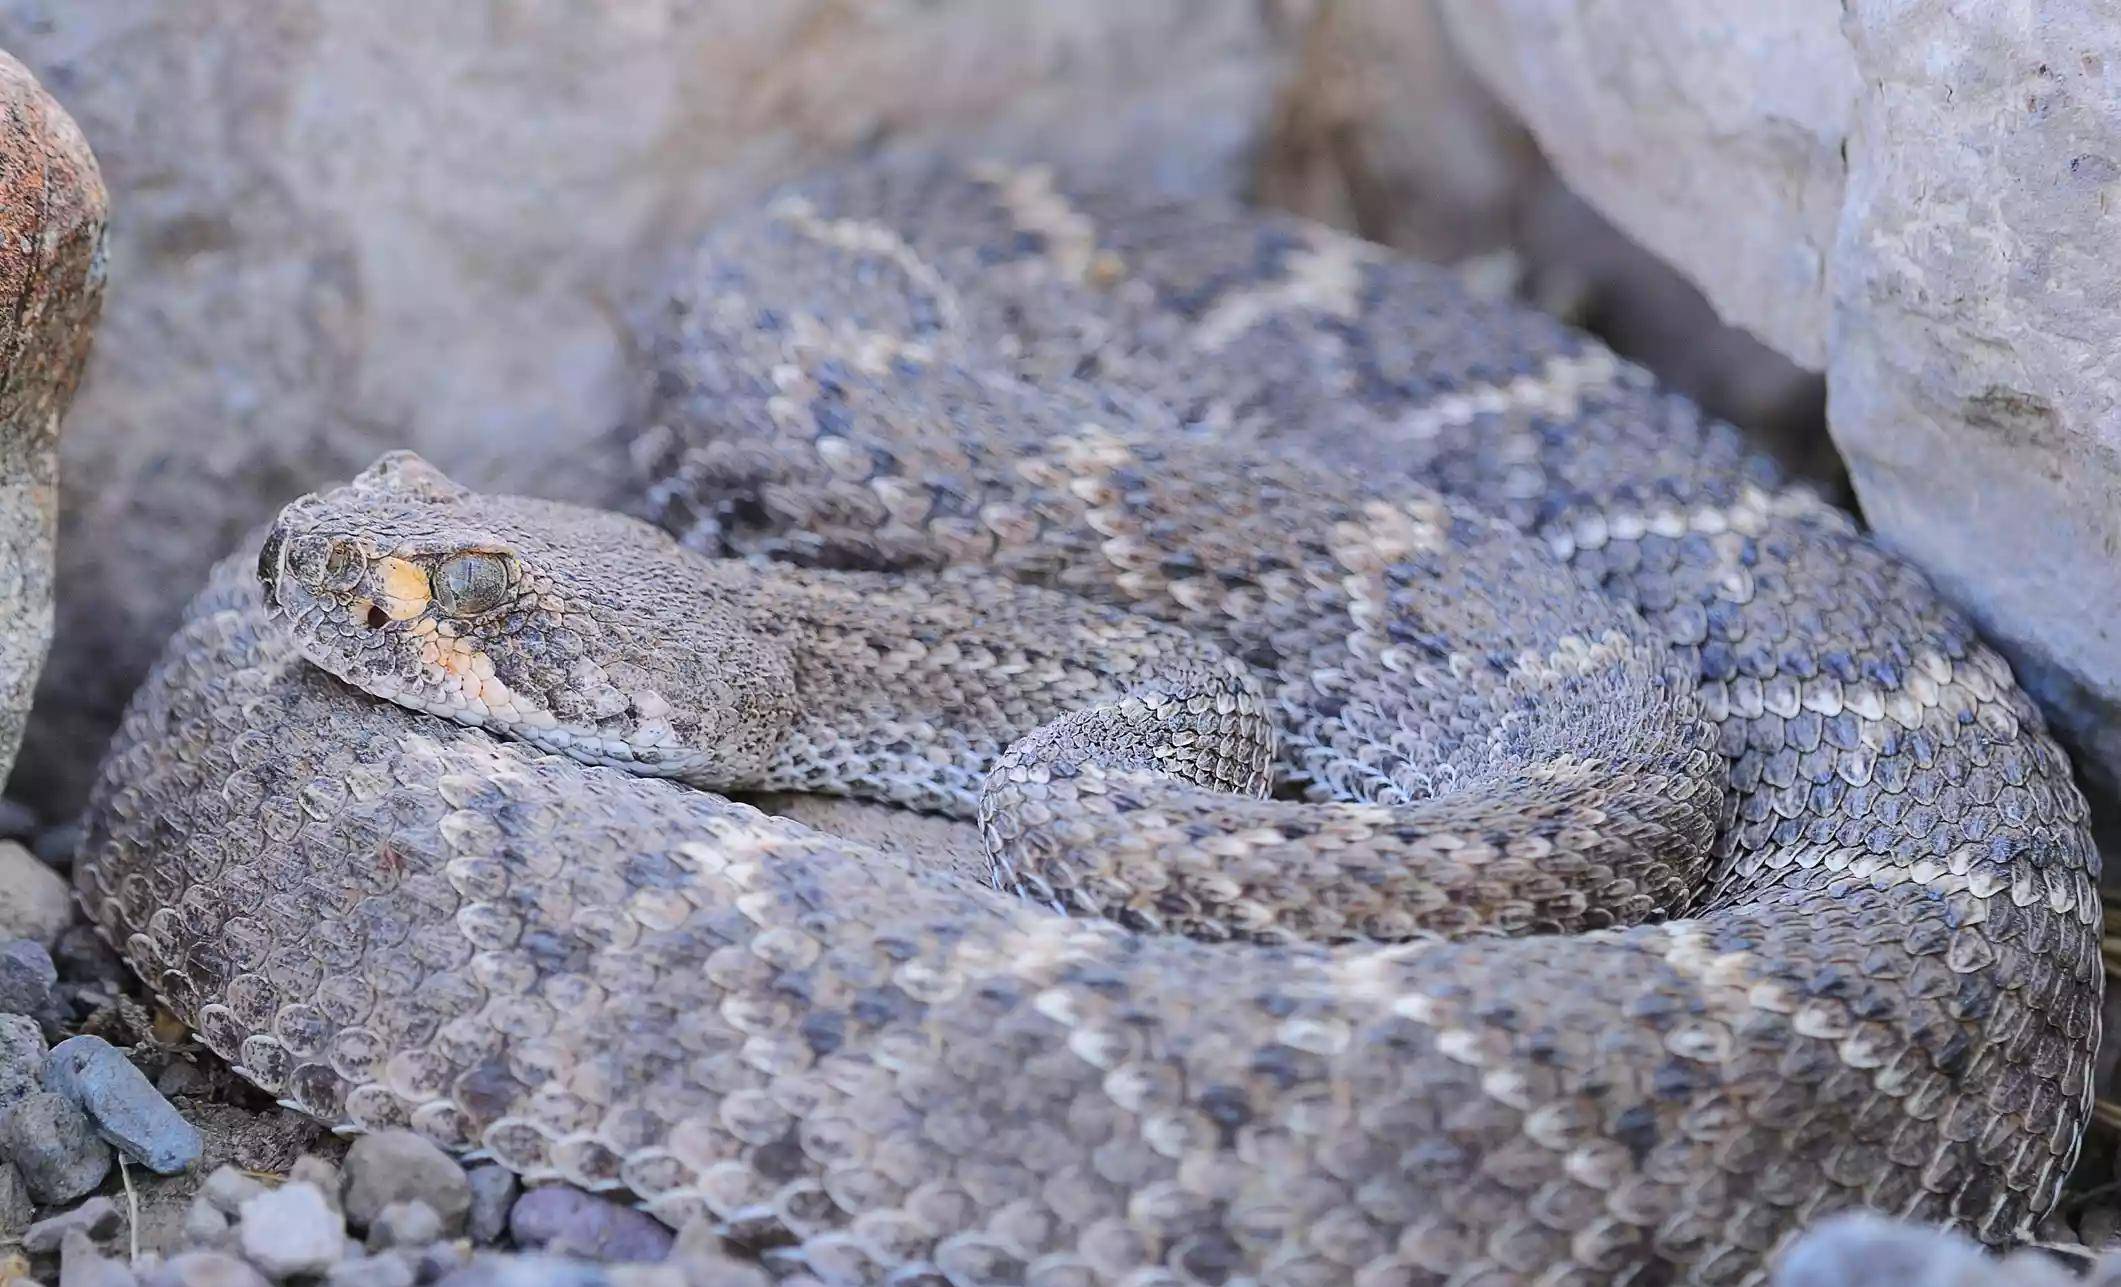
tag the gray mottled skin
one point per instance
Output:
(1874, 985)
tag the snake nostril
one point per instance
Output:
(377, 618)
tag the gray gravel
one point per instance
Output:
(399, 1166)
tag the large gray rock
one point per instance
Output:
(51, 286)
(350, 225)
(1920, 200)
(1384, 129)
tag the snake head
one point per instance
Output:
(584, 633)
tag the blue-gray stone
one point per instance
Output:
(126, 1108)
(567, 1221)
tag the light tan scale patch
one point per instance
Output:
(1387, 535)
(865, 238)
(1036, 206)
(1557, 390)
(403, 589)
(1324, 278)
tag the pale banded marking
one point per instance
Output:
(867, 238)
(1325, 277)
(1557, 389)
(1036, 206)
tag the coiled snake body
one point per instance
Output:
(1652, 864)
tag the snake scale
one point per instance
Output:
(1457, 816)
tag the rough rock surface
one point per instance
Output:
(348, 226)
(51, 287)
(1384, 129)
(1917, 198)
(34, 900)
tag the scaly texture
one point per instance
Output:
(1881, 993)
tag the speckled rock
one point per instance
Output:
(125, 1106)
(21, 1058)
(52, 208)
(51, 1141)
(27, 976)
(16, 1209)
(291, 1230)
(34, 900)
(399, 1166)
(493, 1192)
(567, 1221)
(1918, 200)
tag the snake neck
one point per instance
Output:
(910, 689)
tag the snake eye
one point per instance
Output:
(469, 584)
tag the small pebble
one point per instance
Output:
(707, 1261)
(56, 845)
(404, 1224)
(568, 1221)
(34, 901)
(205, 1269)
(27, 977)
(495, 1269)
(311, 1169)
(205, 1225)
(493, 1191)
(399, 1166)
(97, 1217)
(391, 1269)
(291, 1230)
(15, 1207)
(21, 1057)
(55, 1147)
(123, 1103)
(1865, 1250)
(81, 1265)
(228, 1188)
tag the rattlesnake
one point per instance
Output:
(1765, 892)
